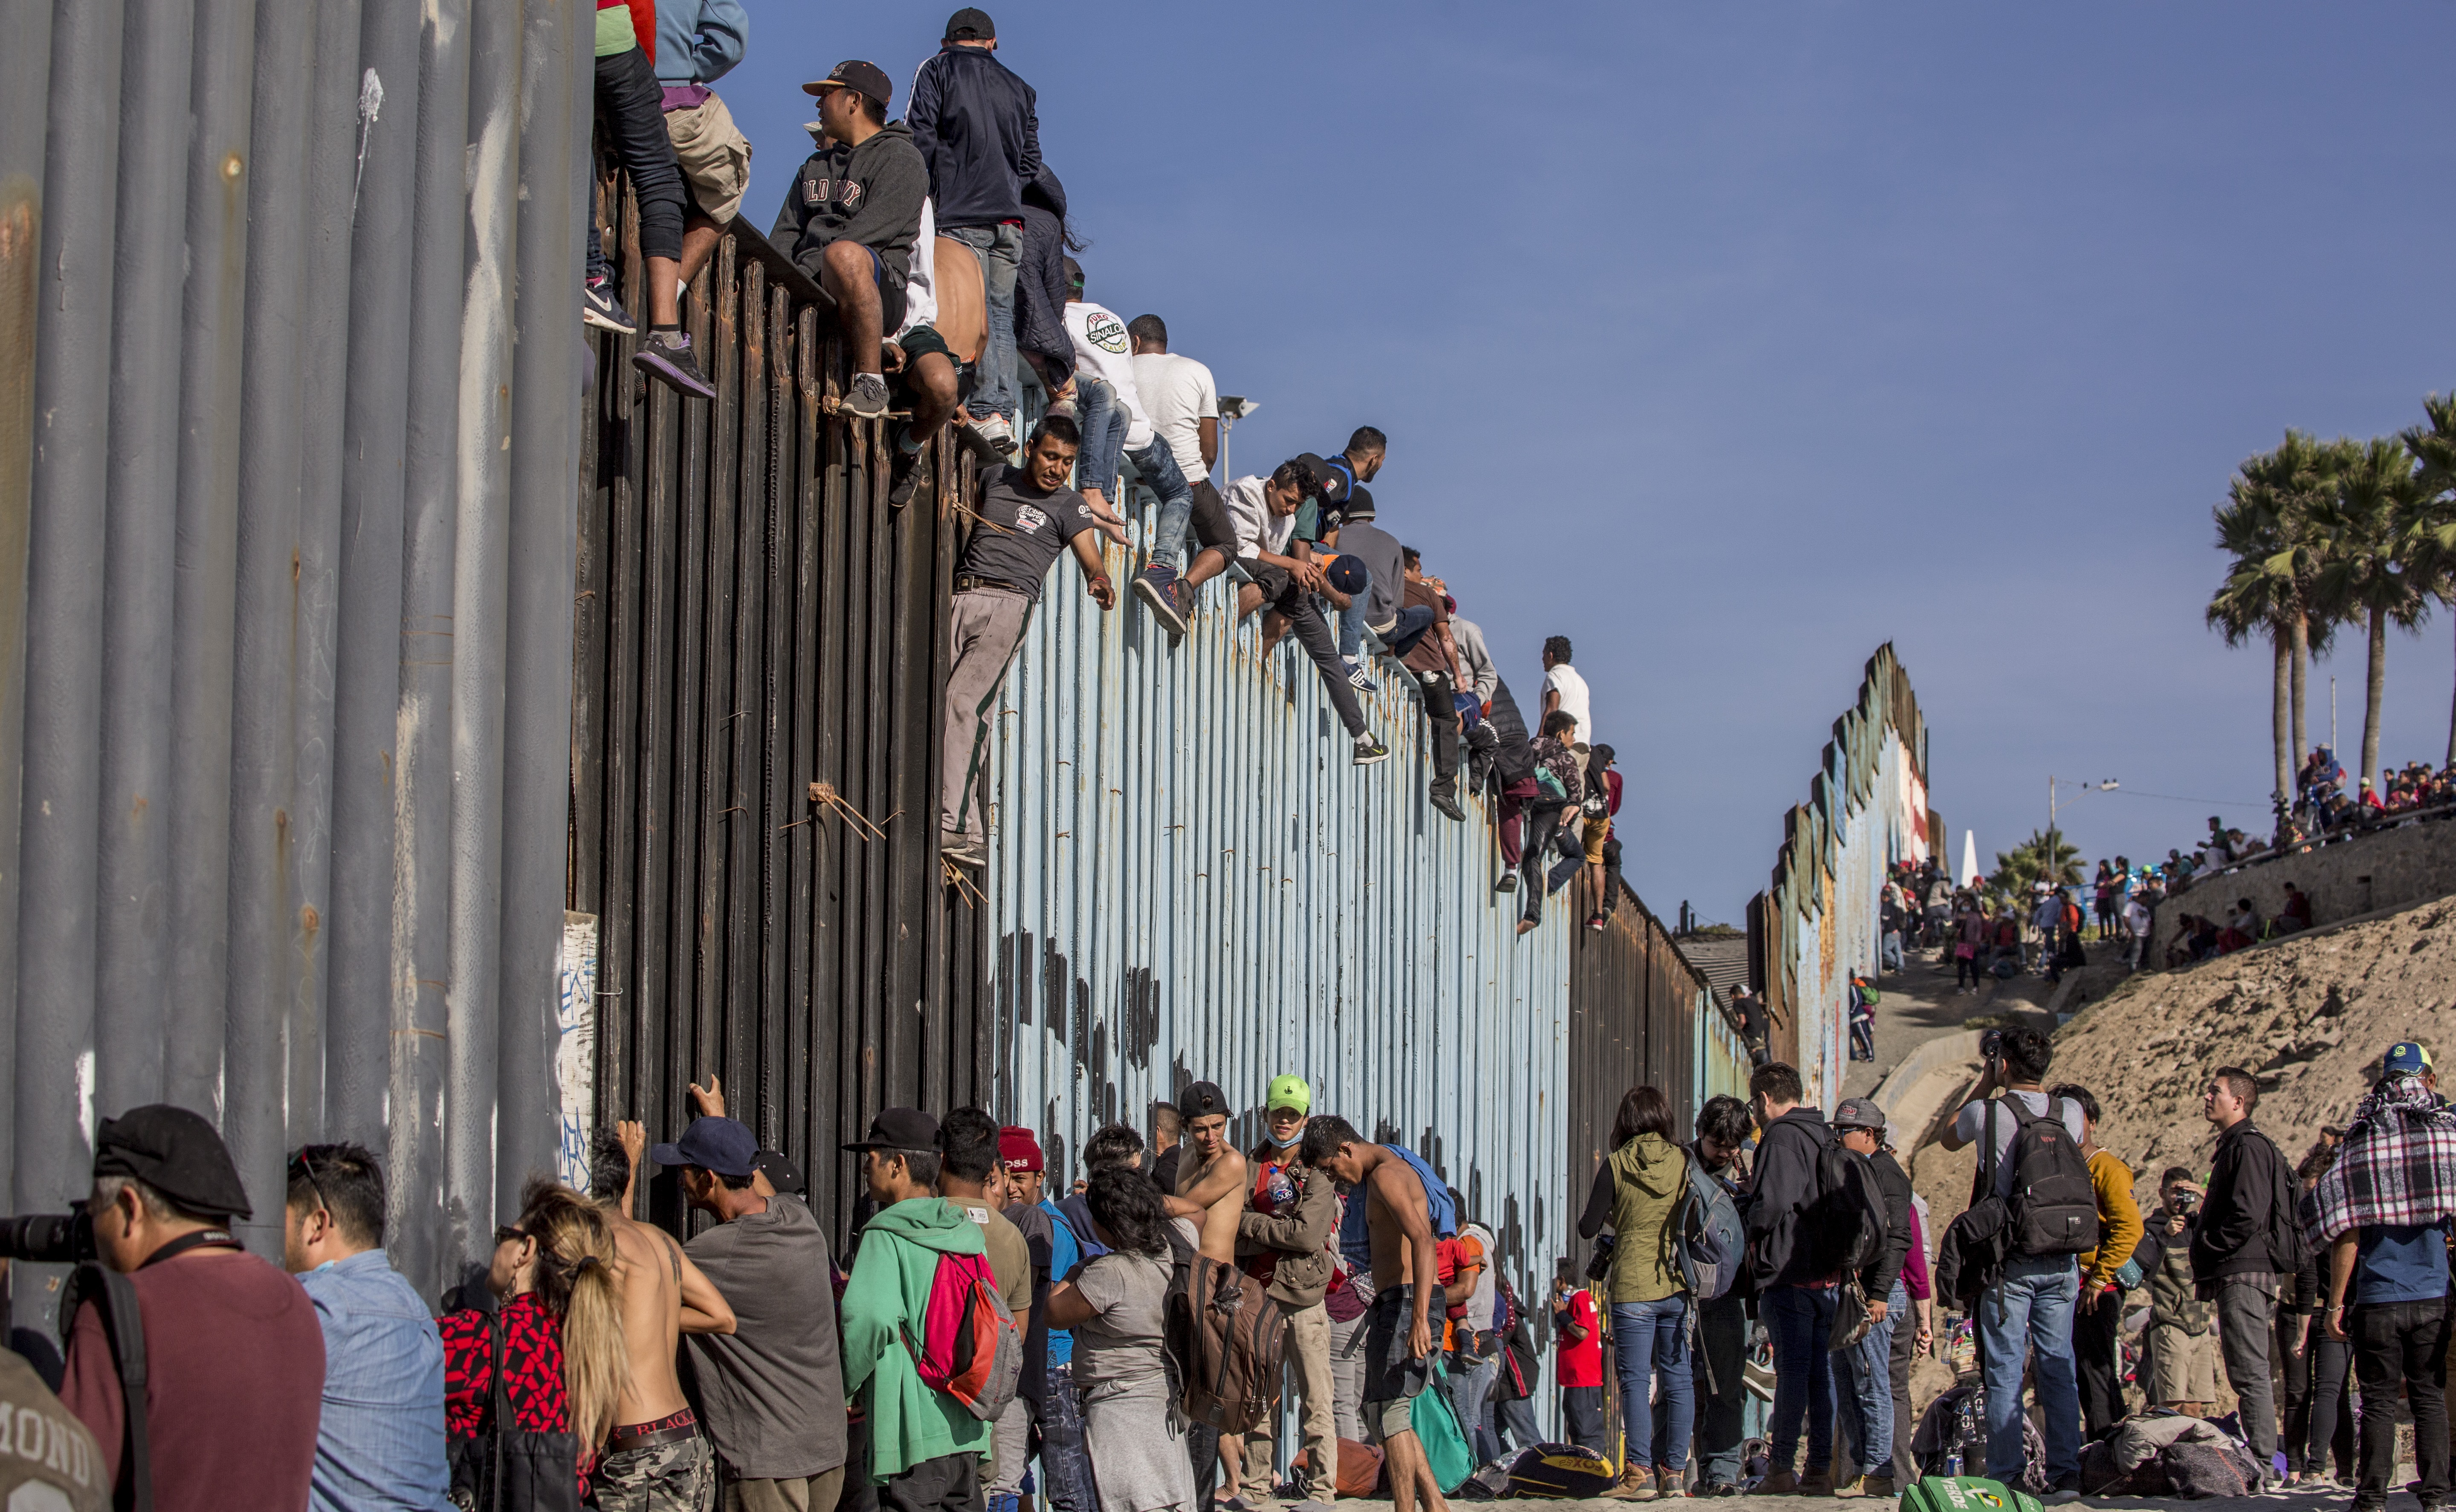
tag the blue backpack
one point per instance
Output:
(1703, 1233)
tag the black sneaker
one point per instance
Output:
(1446, 802)
(907, 472)
(1156, 587)
(598, 307)
(1369, 750)
(667, 359)
(866, 399)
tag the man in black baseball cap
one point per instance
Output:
(970, 24)
(234, 1357)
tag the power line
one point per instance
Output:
(2223, 803)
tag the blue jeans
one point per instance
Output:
(1470, 1389)
(1351, 620)
(1650, 1339)
(1800, 1321)
(1000, 249)
(1866, 1401)
(1103, 421)
(1412, 622)
(1892, 959)
(2036, 1328)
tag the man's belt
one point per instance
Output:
(684, 1424)
(966, 583)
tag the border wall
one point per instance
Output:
(1817, 921)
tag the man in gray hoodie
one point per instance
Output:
(851, 218)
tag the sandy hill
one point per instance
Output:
(2311, 1017)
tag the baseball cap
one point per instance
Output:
(1018, 1149)
(1202, 1100)
(865, 78)
(720, 1145)
(1359, 505)
(1328, 486)
(1288, 1089)
(2406, 1058)
(1348, 575)
(782, 1174)
(970, 24)
(899, 1128)
(177, 1154)
(1859, 1112)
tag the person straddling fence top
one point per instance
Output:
(379, 1442)
(1563, 688)
(2248, 1249)
(2038, 1291)
(1025, 516)
(698, 43)
(1353, 467)
(1864, 1402)
(1283, 1240)
(2384, 1212)
(851, 216)
(1281, 571)
(772, 1386)
(1794, 1299)
(978, 128)
(631, 123)
(925, 1446)
(1182, 402)
(1635, 1191)
(233, 1354)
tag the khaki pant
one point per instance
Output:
(805, 1493)
(1308, 1356)
(985, 627)
(2186, 1365)
(714, 157)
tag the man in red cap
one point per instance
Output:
(1048, 1354)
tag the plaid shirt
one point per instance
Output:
(2397, 1167)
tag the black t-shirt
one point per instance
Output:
(1021, 530)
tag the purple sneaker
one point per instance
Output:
(1156, 585)
(667, 359)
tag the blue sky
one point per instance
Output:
(1732, 341)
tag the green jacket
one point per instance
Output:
(1647, 1174)
(889, 1293)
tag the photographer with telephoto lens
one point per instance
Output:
(233, 1354)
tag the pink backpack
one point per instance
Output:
(971, 1347)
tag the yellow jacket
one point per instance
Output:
(2119, 1220)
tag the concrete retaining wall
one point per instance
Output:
(2386, 869)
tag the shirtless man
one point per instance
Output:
(656, 1459)
(1395, 1365)
(1209, 1200)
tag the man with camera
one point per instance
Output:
(2029, 1311)
(2248, 1245)
(234, 1355)
(2182, 1366)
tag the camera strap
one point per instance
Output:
(114, 1295)
(200, 1239)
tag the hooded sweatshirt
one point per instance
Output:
(1638, 1184)
(889, 1295)
(1786, 1184)
(871, 194)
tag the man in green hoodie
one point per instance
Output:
(925, 1447)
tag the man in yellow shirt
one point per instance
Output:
(2098, 1330)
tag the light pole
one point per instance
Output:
(2107, 787)
(1233, 407)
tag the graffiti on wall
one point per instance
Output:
(575, 1051)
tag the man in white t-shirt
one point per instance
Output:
(1111, 412)
(1182, 404)
(1565, 689)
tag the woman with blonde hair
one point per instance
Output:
(530, 1382)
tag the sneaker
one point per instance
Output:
(598, 307)
(1237, 1503)
(1156, 587)
(1369, 750)
(866, 399)
(1448, 802)
(1595, 921)
(997, 435)
(1187, 596)
(2060, 1495)
(984, 450)
(961, 850)
(1357, 678)
(1509, 883)
(667, 359)
(907, 472)
(1717, 1488)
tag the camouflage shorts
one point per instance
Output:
(661, 1478)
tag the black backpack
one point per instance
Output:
(1843, 1226)
(2052, 1209)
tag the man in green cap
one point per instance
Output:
(1283, 1240)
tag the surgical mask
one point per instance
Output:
(1289, 1143)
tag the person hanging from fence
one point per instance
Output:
(631, 124)
(1024, 517)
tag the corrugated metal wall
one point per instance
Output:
(288, 517)
(754, 618)
(1817, 921)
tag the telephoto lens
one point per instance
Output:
(55, 1239)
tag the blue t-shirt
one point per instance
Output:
(2407, 1263)
(1064, 1254)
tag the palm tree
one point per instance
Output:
(2428, 544)
(2044, 857)
(2364, 581)
(2255, 601)
(2290, 484)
